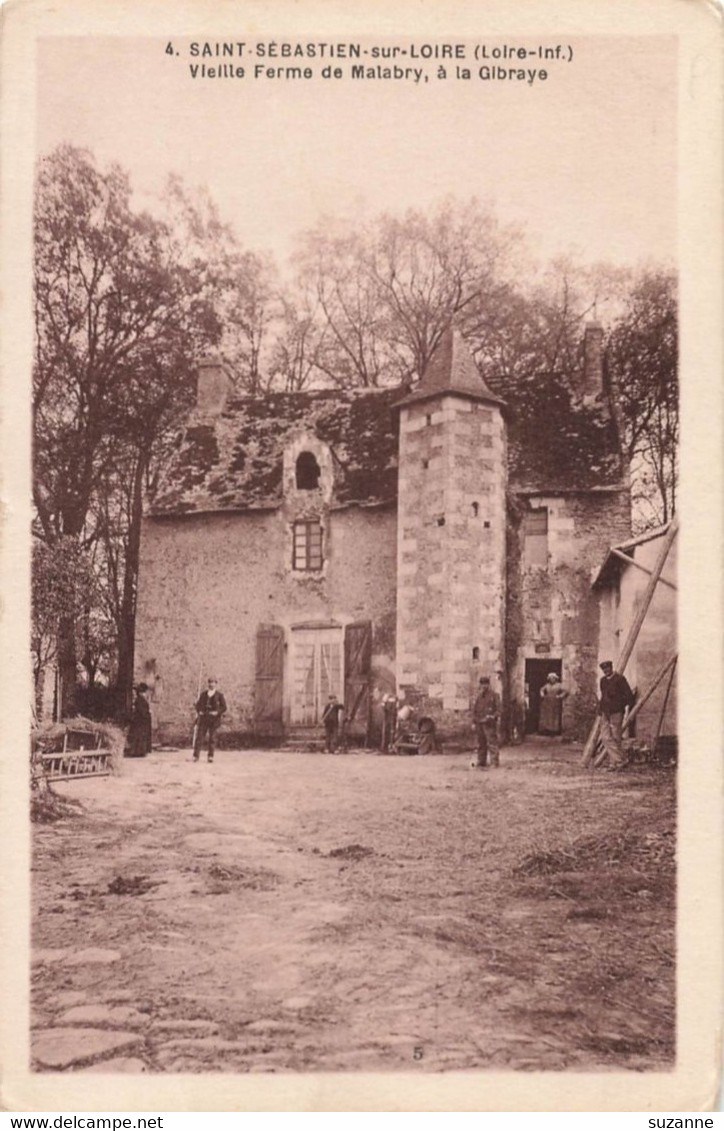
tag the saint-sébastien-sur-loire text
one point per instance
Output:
(274, 60)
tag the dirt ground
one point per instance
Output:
(282, 911)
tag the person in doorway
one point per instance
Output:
(210, 709)
(486, 712)
(552, 694)
(138, 742)
(331, 722)
(616, 697)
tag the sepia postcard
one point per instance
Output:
(361, 556)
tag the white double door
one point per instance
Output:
(317, 662)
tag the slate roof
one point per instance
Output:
(452, 370)
(235, 461)
(556, 443)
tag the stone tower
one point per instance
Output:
(450, 532)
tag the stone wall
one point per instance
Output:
(208, 581)
(451, 552)
(552, 611)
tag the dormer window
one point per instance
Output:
(307, 472)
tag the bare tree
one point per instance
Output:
(250, 309)
(334, 281)
(432, 269)
(643, 359)
(535, 324)
(383, 294)
(299, 347)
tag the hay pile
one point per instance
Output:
(643, 850)
(45, 804)
(49, 737)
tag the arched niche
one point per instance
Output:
(307, 471)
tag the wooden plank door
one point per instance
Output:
(269, 680)
(316, 672)
(357, 671)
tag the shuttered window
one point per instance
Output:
(269, 677)
(307, 546)
(357, 669)
(535, 529)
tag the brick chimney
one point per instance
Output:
(214, 386)
(592, 382)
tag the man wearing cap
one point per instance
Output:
(210, 709)
(616, 696)
(331, 723)
(486, 710)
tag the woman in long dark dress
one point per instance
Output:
(138, 743)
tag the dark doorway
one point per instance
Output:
(536, 673)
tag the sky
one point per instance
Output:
(585, 160)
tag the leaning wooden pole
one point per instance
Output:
(660, 675)
(620, 665)
(664, 705)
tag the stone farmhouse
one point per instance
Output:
(401, 539)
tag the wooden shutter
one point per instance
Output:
(357, 669)
(269, 679)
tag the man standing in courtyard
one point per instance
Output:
(616, 696)
(486, 712)
(330, 721)
(210, 709)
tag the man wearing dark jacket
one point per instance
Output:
(210, 708)
(616, 696)
(331, 723)
(486, 710)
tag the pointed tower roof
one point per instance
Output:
(452, 370)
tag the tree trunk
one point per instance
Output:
(127, 625)
(72, 525)
(38, 687)
(67, 667)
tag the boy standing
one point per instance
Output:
(330, 722)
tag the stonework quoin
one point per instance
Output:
(451, 532)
